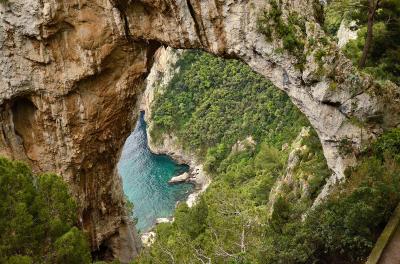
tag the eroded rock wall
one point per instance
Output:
(71, 73)
(161, 73)
(70, 79)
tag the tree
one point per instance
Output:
(72, 248)
(17, 213)
(57, 210)
(377, 48)
(36, 212)
(373, 5)
(354, 10)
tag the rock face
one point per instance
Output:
(298, 186)
(160, 75)
(346, 33)
(72, 72)
(69, 83)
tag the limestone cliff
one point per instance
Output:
(332, 99)
(71, 73)
(69, 83)
(295, 183)
(160, 75)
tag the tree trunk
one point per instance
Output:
(368, 40)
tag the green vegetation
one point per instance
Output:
(291, 32)
(377, 47)
(255, 211)
(37, 218)
(72, 247)
(344, 227)
(211, 103)
(357, 211)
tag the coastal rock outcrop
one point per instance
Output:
(180, 178)
(160, 75)
(169, 145)
(72, 73)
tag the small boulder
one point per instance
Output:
(148, 238)
(163, 220)
(179, 179)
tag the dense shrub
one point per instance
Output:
(383, 58)
(230, 224)
(72, 247)
(211, 104)
(36, 213)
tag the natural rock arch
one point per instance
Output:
(83, 63)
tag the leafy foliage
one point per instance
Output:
(72, 248)
(206, 109)
(291, 32)
(36, 213)
(384, 55)
(210, 105)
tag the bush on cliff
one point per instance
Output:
(36, 215)
(346, 225)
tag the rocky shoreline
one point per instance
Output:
(181, 178)
(196, 174)
(160, 75)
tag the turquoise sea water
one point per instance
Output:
(145, 179)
